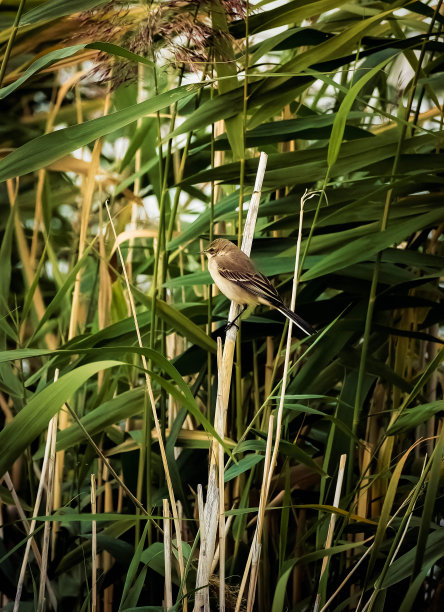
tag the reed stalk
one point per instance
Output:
(52, 433)
(167, 554)
(253, 558)
(257, 539)
(211, 510)
(30, 528)
(221, 413)
(93, 546)
(331, 528)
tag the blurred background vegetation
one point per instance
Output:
(165, 106)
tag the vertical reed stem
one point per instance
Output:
(31, 541)
(52, 432)
(210, 511)
(331, 527)
(221, 431)
(93, 546)
(167, 553)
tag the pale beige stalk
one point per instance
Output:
(31, 542)
(107, 558)
(22, 245)
(331, 526)
(256, 544)
(212, 507)
(369, 549)
(220, 464)
(52, 114)
(167, 554)
(255, 547)
(93, 546)
(52, 432)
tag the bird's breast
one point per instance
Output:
(230, 289)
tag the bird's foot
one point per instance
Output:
(229, 325)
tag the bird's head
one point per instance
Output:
(220, 246)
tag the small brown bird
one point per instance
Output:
(239, 280)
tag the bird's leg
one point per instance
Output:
(230, 324)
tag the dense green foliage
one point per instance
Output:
(165, 107)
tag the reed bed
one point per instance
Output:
(149, 460)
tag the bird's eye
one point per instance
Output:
(211, 250)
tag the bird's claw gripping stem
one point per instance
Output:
(229, 325)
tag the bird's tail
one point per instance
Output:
(297, 320)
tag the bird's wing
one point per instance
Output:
(254, 282)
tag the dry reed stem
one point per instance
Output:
(368, 551)
(256, 544)
(30, 542)
(84, 224)
(209, 520)
(52, 432)
(219, 157)
(107, 559)
(349, 575)
(213, 505)
(167, 554)
(153, 407)
(217, 553)
(331, 526)
(141, 96)
(203, 534)
(4, 406)
(129, 235)
(28, 271)
(401, 539)
(269, 367)
(307, 195)
(105, 288)
(221, 430)
(93, 546)
(48, 460)
(51, 116)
